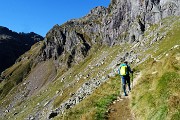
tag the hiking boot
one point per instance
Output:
(125, 94)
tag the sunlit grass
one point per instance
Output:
(152, 97)
(96, 104)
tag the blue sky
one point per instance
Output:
(41, 15)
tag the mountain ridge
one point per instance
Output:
(13, 44)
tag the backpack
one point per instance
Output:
(124, 70)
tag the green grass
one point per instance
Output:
(95, 106)
(5, 89)
(102, 106)
(84, 70)
(16, 74)
(15, 78)
(171, 28)
(153, 102)
(153, 97)
(156, 96)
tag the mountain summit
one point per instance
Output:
(71, 74)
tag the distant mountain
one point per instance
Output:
(13, 44)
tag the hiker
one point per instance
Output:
(123, 71)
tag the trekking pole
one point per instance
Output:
(120, 87)
(132, 81)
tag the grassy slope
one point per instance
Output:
(96, 104)
(81, 111)
(157, 96)
(15, 74)
(48, 92)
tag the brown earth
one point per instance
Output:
(120, 110)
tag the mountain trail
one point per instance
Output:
(120, 109)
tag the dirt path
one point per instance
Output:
(120, 109)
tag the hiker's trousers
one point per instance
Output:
(126, 80)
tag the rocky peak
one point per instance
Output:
(68, 45)
(3, 30)
(99, 11)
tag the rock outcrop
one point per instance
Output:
(128, 19)
(123, 21)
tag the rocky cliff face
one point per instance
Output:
(123, 21)
(128, 19)
(12, 45)
(71, 42)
